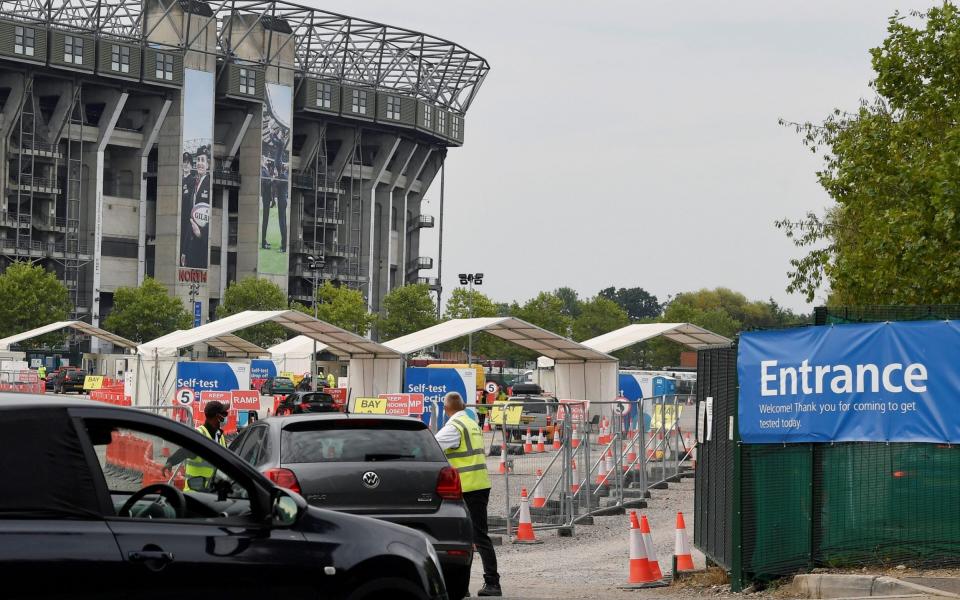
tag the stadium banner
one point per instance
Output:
(196, 182)
(878, 382)
(275, 181)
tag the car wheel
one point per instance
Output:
(458, 582)
(394, 588)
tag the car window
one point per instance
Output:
(250, 451)
(132, 457)
(357, 441)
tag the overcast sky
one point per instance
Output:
(635, 143)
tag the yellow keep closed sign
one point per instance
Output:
(665, 415)
(93, 382)
(509, 410)
(370, 406)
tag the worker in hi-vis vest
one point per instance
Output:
(462, 442)
(215, 415)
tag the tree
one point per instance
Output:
(639, 304)
(459, 307)
(341, 306)
(891, 167)
(146, 312)
(570, 299)
(598, 315)
(546, 311)
(255, 294)
(405, 310)
(31, 297)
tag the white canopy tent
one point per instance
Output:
(374, 368)
(582, 373)
(80, 326)
(687, 334)
(295, 355)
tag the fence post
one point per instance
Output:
(585, 444)
(618, 462)
(506, 471)
(567, 503)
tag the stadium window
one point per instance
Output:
(441, 121)
(73, 50)
(248, 82)
(324, 95)
(359, 102)
(455, 127)
(120, 58)
(164, 66)
(393, 108)
(24, 41)
(428, 116)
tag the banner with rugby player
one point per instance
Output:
(196, 162)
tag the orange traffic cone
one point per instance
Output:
(651, 551)
(603, 438)
(503, 458)
(486, 425)
(631, 455)
(527, 444)
(539, 501)
(682, 548)
(556, 436)
(639, 564)
(525, 533)
(575, 484)
(575, 441)
(540, 442)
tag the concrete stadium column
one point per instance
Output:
(113, 105)
(156, 110)
(416, 166)
(386, 146)
(393, 198)
(16, 82)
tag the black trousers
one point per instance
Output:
(476, 502)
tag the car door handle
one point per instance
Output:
(151, 555)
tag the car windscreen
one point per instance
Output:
(360, 440)
(282, 381)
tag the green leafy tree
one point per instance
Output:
(598, 315)
(255, 294)
(570, 299)
(545, 310)
(459, 307)
(891, 235)
(405, 310)
(639, 304)
(341, 306)
(146, 312)
(31, 297)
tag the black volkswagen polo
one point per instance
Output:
(87, 511)
(391, 468)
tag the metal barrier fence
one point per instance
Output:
(595, 460)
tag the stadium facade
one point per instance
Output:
(202, 142)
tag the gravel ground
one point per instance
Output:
(593, 562)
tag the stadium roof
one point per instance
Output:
(324, 44)
(80, 326)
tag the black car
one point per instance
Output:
(276, 386)
(308, 402)
(391, 468)
(88, 511)
(67, 380)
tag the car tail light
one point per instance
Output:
(448, 484)
(286, 479)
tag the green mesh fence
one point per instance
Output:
(822, 505)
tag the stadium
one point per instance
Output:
(203, 142)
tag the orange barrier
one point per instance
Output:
(113, 394)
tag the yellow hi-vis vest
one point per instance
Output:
(196, 466)
(469, 458)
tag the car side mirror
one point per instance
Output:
(197, 484)
(285, 510)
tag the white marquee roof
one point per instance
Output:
(692, 336)
(511, 329)
(301, 345)
(80, 326)
(219, 333)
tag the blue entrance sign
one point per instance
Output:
(197, 312)
(890, 382)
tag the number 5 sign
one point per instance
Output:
(186, 396)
